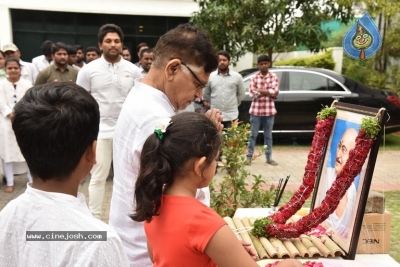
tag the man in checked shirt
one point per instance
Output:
(263, 90)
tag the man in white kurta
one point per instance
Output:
(169, 87)
(109, 80)
(341, 224)
(340, 219)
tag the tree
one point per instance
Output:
(267, 26)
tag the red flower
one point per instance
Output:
(339, 187)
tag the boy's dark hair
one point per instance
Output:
(189, 44)
(58, 46)
(79, 47)
(46, 47)
(147, 50)
(93, 49)
(11, 59)
(71, 50)
(189, 136)
(107, 28)
(140, 45)
(225, 54)
(263, 58)
(54, 124)
(2, 53)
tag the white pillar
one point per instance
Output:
(5, 22)
(337, 55)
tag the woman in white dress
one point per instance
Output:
(12, 90)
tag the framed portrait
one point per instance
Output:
(345, 223)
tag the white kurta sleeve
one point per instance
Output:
(4, 108)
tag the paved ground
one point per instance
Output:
(291, 162)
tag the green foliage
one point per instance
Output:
(318, 61)
(258, 26)
(374, 7)
(371, 126)
(259, 226)
(336, 39)
(326, 112)
(392, 199)
(394, 78)
(363, 72)
(232, 192)
(377, 80)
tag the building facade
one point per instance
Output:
(28, 23)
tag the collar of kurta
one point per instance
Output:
(108, 63)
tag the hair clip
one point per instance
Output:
(159, 134)
(161, 127)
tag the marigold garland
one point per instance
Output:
(358, 155)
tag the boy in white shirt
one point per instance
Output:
(56, 126)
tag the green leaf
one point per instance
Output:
(259, 227)
(326, 112)
(371, 126)
(260, 26)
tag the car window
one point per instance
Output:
(304, 81)
(246, 80)
(333, 86)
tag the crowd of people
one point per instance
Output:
(81, 116)
(59, 62)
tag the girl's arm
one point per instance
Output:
(226, 251)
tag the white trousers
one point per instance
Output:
(99, 176)
(9, 173)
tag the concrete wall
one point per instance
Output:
(337, 55)
(249, 60)
(172, 8)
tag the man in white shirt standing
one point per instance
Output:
(28, 70)
(146, 58)
(109, 79)
(225, 89)
(183, 60)
(43, 61)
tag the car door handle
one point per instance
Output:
(337, 97)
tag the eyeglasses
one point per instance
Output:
(194, 76)
(343, 148)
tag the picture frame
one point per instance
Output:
(345, 223)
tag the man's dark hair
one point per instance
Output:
(57, 46)
(225, 54)
(189, 44)
(46, 47)
(79, 47)
(107, 28)
(126, 48)
(93, 49)
(71, 50)
(263, 58)
(140, 45)
(54, 124)
(147, 50)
